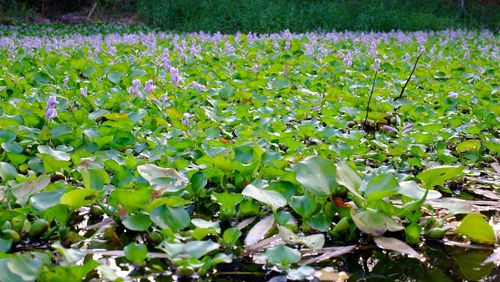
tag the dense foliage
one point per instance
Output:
(266, 16)
(179, 153)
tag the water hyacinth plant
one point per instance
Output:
(206, 154)
(50, 111)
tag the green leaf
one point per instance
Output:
(477, 229)
(198, 181)
(317, 175)
(44, 200)
(320, 222)
(197, 249)
(79, 197)
(124, 138)
(413, 232)
(244, 154)
(231, 236)
(137, 222)
(95, 178)
(25, 266)
(41, 78)
(468, 145)
(156, 175)
(70, 255)
(438, 175)
(282, 255)
(12, 147)
(268, 197)
(7, 171)
(24, 190)
(303, 205)
(381, 186)
(414, 191)
(470, 263)
(374, 222)
(58, 155)
(136, 253)
(169, 217)
(131, 200)
(226, 92)
(115, 76)
(5, 245)
(349, 178)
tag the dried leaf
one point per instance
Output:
(496, 167)
(259, 230)
(396, 245)
(332, 252)
(244, 223)
(263, 245)
(330, 274)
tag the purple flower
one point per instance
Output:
(149, 87)
(376, 67)
(287, 45)
(440, 55)
(174, 77)
(453, 95)
(185, 120)
(373, 49)
(197, 86)
(164, 98)
(84, 91)
(50, 111)
(408, 58)
(65, 81)
(408, 128)
(390, 128)
(348, 58)
(134, 89)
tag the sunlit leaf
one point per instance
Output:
(317, 175)
(477, 229)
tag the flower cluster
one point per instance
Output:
(50, 111)
(134, 89)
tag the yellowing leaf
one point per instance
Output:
(477, 229)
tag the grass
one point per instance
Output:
(266, 16)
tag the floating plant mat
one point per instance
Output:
(134, 153)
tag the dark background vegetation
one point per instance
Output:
(264, 16)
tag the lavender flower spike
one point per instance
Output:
(175, 78)
(376, 66)
(185, 120)
(390, 128)
(164, 98)
(408, 128)
(149, 87)
(50, 111)
(84, 91)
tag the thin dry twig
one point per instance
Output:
(370, 98)
(409, 77)
(91, 11)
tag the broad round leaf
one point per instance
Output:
(477, 229)
(136, 253)
(317, 175)
(169, 217)
(137, 222)
(282, 255)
